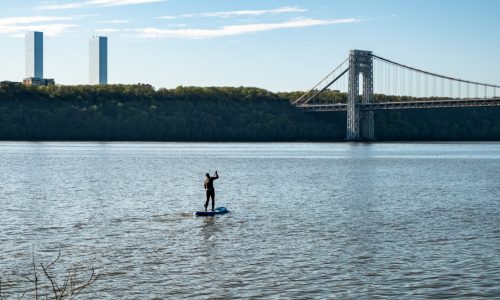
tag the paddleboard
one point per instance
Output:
(218, 211)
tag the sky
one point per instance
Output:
(279, 45)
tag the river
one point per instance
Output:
(307, 221)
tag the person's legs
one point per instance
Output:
(208, 198)
(213, 200)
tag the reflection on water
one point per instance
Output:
(307, 220)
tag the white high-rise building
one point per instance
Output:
(34, 55)
(98, 60)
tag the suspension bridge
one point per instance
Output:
(386, 84)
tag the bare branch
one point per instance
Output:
(65, 285)
(72, 286)
(22, 295)
(35, 273)
(54, 261)
(54, 285)
(93, 278)
(69, 289)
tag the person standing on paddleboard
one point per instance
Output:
(209, 189)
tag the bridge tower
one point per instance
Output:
(360, 123)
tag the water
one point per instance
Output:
(307, 221)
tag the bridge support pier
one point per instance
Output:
(360, 124)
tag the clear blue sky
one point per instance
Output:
(280, 45)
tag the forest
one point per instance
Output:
(213, 114)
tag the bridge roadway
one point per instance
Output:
(475, 102)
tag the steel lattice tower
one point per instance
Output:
(360, 124)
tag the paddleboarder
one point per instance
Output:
(209, 189)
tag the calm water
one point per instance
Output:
(307, 221)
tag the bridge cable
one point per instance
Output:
(434, 74)
(326, 77)
(323, 89)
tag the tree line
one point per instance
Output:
(141, 113)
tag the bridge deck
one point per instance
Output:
(481, 102)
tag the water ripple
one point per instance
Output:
(308, 221)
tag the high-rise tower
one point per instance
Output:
(34, 55)
(98, 60)
(34, 60)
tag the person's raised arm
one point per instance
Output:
(216, 176)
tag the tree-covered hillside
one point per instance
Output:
(139, 112)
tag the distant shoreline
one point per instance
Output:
(249, 142)
(139, 113)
